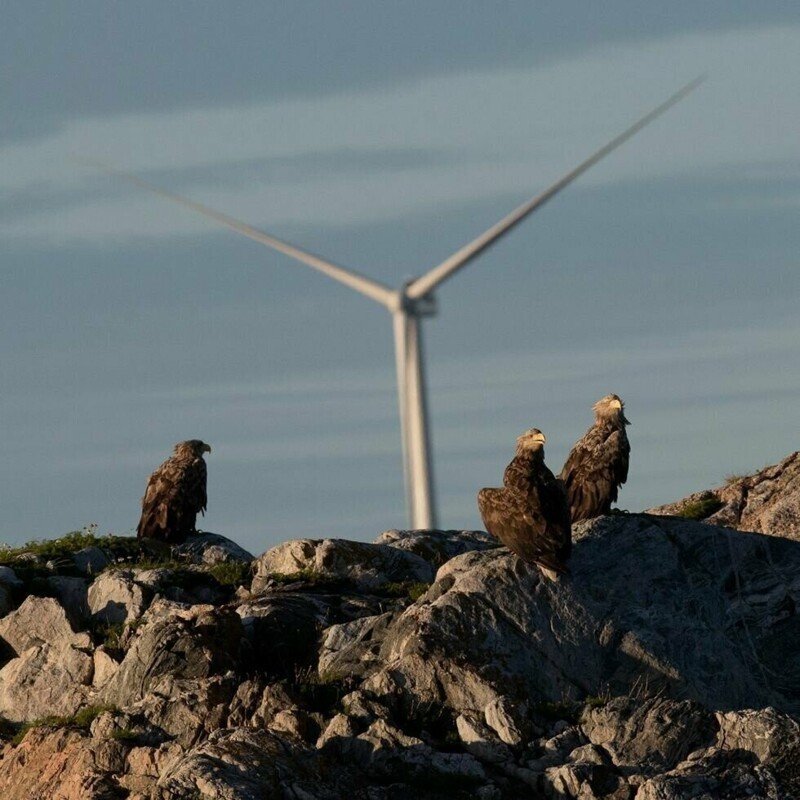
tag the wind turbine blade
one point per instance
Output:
(426, 283)
(367, 286)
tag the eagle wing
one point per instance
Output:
(518, 520)
(175, 492)
(595, 468)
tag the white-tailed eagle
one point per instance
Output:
(175, 493)
(598, 463)
(529, 515)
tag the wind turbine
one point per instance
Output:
(411, 303)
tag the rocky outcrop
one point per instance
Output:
(768, 501)
(430, 664)
(652, 605)
(51, 671)
(364, 565)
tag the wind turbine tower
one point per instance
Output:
(410, 304)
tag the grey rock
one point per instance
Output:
(367, 566)
(91, 561)
(104, 667)
(480, 740)
(282, 631)
(768, 501)
(509, 720)
(773, 738)
(6, 604)
(383, 750)
(40, 620)
(340, 726)
(246, 764)
(209, 549)
(187, 710)
(117, 597)
(352, 648)
(71, 594)
(179, 642)
(436, 547)
(650, 735)
(45, 680)
(719, 775)
(652, 605)
(9, 578)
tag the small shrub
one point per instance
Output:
(703, 507)
(86, 716)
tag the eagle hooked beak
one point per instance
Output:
(206, 448)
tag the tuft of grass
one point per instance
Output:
(81, 720)
(413, 590)
(707, 504)
(125, 735)
(595, 701)
(734, 477)
(231, 573)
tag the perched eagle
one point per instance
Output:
(529, 515)
(598, 463)
(175, 492)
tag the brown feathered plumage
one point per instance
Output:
(175, 492)
(529, 515)
(598, 463)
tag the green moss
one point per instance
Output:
(703, 507)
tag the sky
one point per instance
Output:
(384, 136)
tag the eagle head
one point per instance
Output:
(610, 407)
(532, 439)
(195, 446)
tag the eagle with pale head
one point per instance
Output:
(529, 514)
(598, 463)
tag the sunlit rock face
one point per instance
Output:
(768, 501)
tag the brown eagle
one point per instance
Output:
(598, 463)
(529, 515)
(175, 492)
